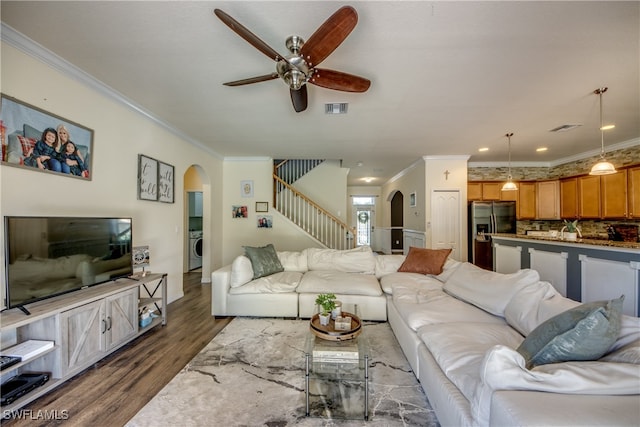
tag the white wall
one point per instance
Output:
(408, 181)
(120, 134)
(326, 184)
(238, 232)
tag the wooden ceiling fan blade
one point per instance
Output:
(247, 35)
(299, 99)
(329, 35)
(338, 80)
(251, 80)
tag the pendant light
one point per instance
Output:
(603, 167)
(509, 185)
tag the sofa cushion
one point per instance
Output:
(449, 267)
(585, 332)
(409, 280)
(503, 368)
(388, 264)
(338, 282)
(523, 312)
(358, 260)
(264, 260)
(629, 353)
(27, 145)
(31, 132)
(420, 306)
(460, 348)
(241, 271)
(425, 261)
(285, 281)
(293, 261)
(488, 290)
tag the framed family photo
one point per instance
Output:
(38, 140)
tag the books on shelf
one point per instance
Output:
(28, 349)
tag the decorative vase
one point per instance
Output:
(324, 318)
(336, 311)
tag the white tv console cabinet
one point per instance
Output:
(85, 326)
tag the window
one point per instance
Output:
(363, 200)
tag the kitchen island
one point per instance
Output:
(584, 270)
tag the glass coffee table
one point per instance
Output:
(337, 377)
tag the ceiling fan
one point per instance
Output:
(300, 67)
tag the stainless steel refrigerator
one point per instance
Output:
(486, 218)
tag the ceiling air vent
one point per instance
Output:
(565, 128)
(336, 108)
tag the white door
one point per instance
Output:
(445, 221)
(364, 220)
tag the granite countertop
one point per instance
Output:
(581, 241)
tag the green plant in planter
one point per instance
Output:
(327, 302)
(572, 226)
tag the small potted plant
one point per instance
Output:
(326, 302)
(572, 229)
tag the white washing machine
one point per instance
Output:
(195, 249)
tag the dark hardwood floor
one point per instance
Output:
(116, 388)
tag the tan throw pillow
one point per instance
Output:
(424, 261)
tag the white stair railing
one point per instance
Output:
(311, 217)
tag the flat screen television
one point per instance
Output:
(50, 256)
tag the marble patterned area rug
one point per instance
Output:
(252, 374)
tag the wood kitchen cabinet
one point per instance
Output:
(633, 179)
(474, 190)
(614, 195)
(589, 188)
(489, 191)
(569, 198)
(526, 206)
(548, 199)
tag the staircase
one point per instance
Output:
(304, 212)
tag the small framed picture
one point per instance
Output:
(412, 200)
(239, 212)
(147, 178)
(165, 182)
(262, 206)
(265, 221)
(246, 188)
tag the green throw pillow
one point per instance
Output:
(264, 260)
(585, 332)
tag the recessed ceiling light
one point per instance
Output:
(541, 149)
(607, 127)
(368, 179)
(359, 164)
(483, 149)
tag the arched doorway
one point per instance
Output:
(397, 222)
(197, 214)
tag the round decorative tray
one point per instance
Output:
(330, 333)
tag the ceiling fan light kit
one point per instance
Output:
(603, 167)
(509, 185)
(299, 68)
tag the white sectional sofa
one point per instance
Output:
(460, 330)
(349, 274)
(463, 351)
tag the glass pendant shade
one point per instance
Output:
(603, 167)
(509, 185)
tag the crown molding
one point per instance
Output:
(24, 44)
(561, 161)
